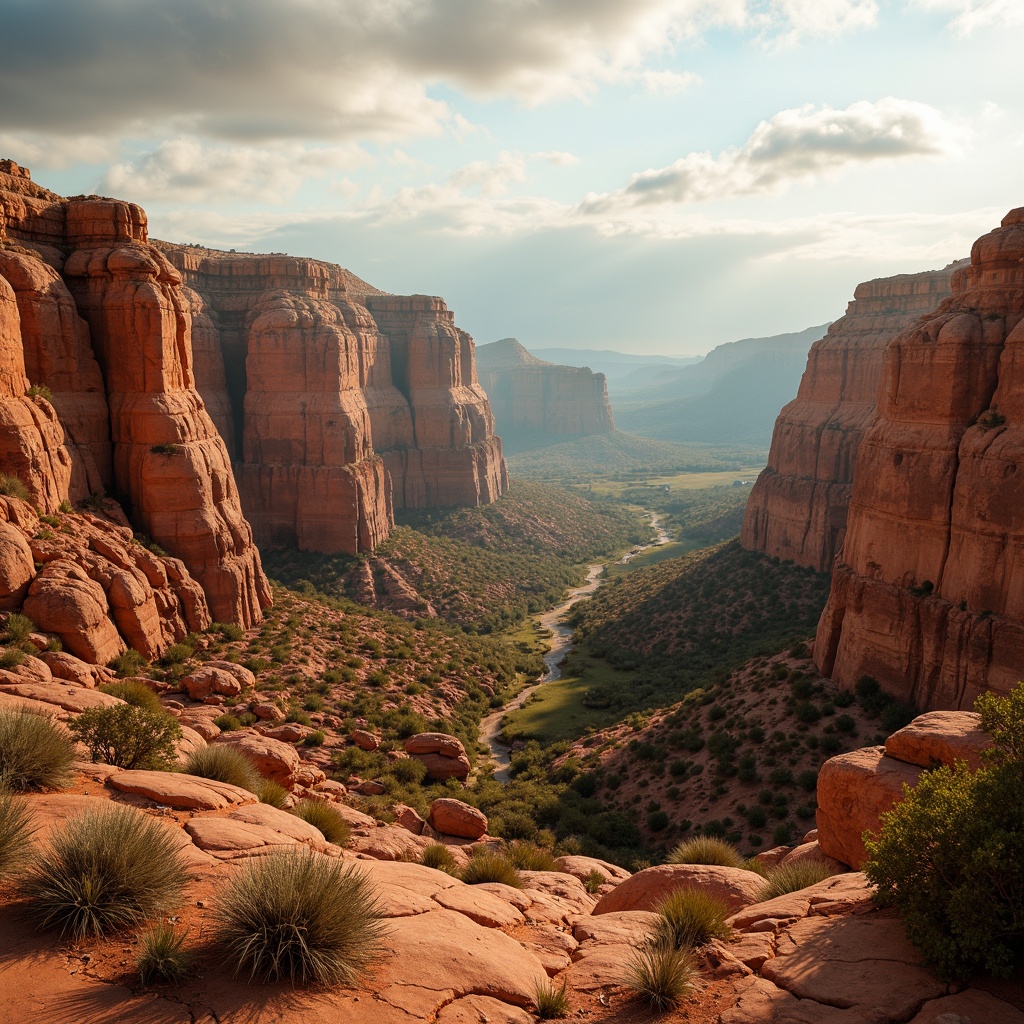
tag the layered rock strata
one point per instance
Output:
(798, 507)
(533, 399)
(928, 593)
(342, 403)
(96, 317)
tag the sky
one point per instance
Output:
(655, 176)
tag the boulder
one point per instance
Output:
(209, 679)
(854, 790)
(940, 737)
(455, 818)
(188, 792)
(444, 756)
(364, 740)
(409, 818)
(811, 852)
(253, 830)
(647, 889)
(17, 566)
(273, 759)
(66, 666)
(583, 867)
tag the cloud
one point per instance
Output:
(55, 151)
(795, 145)
(252, 70)
(971, 15)
(186, 170)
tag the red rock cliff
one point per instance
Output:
(103, 323)
(928, 593)
(532, 398)
(798, 507)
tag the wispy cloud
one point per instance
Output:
(969, 16)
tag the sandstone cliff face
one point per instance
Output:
(798, 507)
(928, 594)
(108, 330)
(532, 399)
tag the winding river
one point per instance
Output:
(559, 645)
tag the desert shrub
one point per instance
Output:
(552, 1003)
(228, 630)
(323, 816)
(438, 856)
(660, 974)
(786, 878)
(128, 663)
(491, 867)
(35, 753)
(221, 763)
(162, 956)
(136, 693)
(706, 850)
(271, 793)
(302, 918)
(12, 657)
(593, 881)
(530, 857)
(15, 833)
(691, 917)
(177, 654)
(950, 856)
(127, 736)
(315, 738)
(227, 723)
(12, 487)
(104, 871)
(17, 627)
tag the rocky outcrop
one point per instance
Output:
(926, 595)
(97, 317)
(535, 400)
(798, 507)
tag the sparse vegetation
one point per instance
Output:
(321, 815)
(136, 693)
(15, 833)
(552, 1002)
(222, 763)
(17, 627)
(12, 487)
(787, 878)
(162, 956)
(301, 918)
(660, 973)
(35, 753)
(438, 856)
(491, 867)
(128, 663)
(128, 736)
(271, 793)
(105, 871)
(691, 917)
(706, 850)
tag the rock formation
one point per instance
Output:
(798, 507)
(532, 399)
(927, 595)
(94, 317)
(341, 403)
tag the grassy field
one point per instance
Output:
(688, 481)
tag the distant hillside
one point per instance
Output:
(732, 396)
(622, 369)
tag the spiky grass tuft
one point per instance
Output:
(691, 917)
(491, 867)
(323, 816)
(706, 850)
(35, 752)
(787, 878)
(15, 833)
(163, 956)
(224, 764)
(660, 974)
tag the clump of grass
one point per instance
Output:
(491, 867)
(35, 753)
(12, 657)
(757, 866)
(12, 487)
(302, 918)
(691, 917)
(39, 391)
(271, 793)
(104, 871)
(136, 693)
(227, 723)
(15, 833)
(323, 816)
(593, 881)
(17, 627)
(223, 764)
(552, 1003)
(228, 630)
(162, 956)
(706, 850)
(787, 878)
(438, 856)
(529, 857)
(130, 737)
(128, 663)
(660, 974)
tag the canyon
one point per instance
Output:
(539, 402)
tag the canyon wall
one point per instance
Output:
(798, 507)
(97, 391)
(536, 400)
(928, 592)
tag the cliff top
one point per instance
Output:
(506, 354)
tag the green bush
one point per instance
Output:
(786, 878)
(552, 1003)
(271, 793)
(162, 956)
(12, 657)
(491, 867)
(15, 833)
(136, 693)
(593, 881)
(35, 753)
(128, 663)
(302, 918)
(227, 723)
(105, 871)
(12, 487)
(691, 917)
(17, 627)
(127, 736)
(660, 974)
(950, 856)
(221, 763)
(706, 850)
(323, 816)
(438, 856)
(529, 857)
